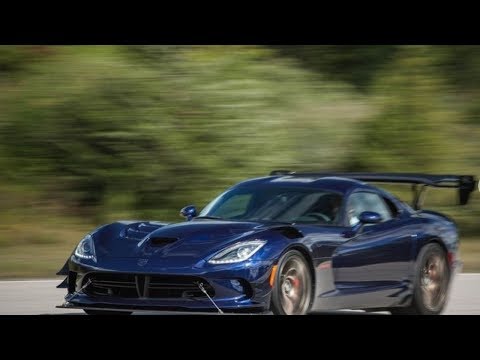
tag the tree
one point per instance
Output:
(413, 118)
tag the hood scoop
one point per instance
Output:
(161, 241)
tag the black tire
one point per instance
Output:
(292, 288)
(431, 283)
(106, 312)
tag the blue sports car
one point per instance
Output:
(288, 243)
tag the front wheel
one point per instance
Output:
(292, 289)
(431, 283)
(106, 312)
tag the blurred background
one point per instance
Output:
(93, 134)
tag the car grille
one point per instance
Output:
(146, 286)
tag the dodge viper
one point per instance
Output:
(287, 243)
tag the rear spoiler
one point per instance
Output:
(466, 184)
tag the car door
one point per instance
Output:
(374, 259)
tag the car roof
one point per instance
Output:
(333, 183)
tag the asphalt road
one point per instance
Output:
(35, 297)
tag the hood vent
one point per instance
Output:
(139, 231)
(161, 241)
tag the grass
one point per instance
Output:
(36, 252)
(36, 235)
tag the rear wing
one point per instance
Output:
(466, 184)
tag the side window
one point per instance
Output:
(392, 207)
(366, 201)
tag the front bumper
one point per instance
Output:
(238, 288)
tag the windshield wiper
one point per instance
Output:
(209, 217)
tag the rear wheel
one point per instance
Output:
(432, 277)
(106, 312)
(292, 290)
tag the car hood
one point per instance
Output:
(180, 243)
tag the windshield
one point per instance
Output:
(277, 204)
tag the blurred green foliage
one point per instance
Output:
(94, 133)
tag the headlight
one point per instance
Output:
(86, 249)
(238, 252)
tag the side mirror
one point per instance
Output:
(370, 217)
(189, 212)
